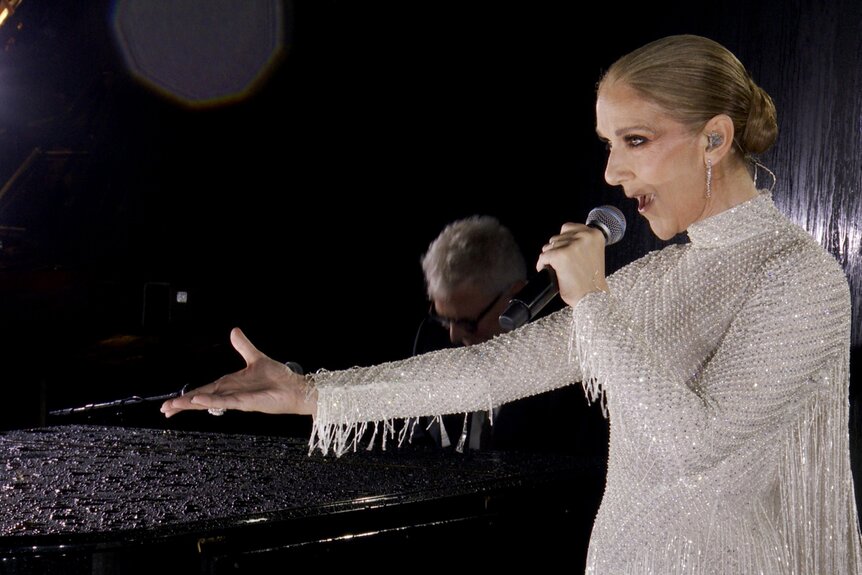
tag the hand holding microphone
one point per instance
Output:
(569, 252)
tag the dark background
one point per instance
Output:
(300, 211)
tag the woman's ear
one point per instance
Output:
(718, 137)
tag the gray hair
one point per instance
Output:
(479, 250)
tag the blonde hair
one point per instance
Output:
(695, 79)
(479, 250)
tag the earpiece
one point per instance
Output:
(714, 139)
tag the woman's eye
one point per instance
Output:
(630, 141)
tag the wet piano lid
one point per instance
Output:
(86, 481)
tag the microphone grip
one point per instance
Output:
(529, 301)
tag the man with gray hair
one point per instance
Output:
(472, 270)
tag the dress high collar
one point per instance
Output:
(741, 222)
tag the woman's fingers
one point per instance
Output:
(244, 346)
(263, 385)
(576, 254)
(222, 385)
(569, 232)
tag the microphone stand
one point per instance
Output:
(133, 400)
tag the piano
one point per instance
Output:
(102, 499)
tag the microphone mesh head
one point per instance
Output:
(610, 220)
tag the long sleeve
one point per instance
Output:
(776, 354)
(724, 367)
(524, 362)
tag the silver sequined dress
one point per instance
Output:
(723, 366)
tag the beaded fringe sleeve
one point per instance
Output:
(724, 367)
(474, 378)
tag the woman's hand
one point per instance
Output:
(577, 255)
(265, 385)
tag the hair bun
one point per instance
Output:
(761, 128)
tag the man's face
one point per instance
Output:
(471, 314)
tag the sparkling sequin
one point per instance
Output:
(723, 366)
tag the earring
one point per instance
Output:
(708, 178)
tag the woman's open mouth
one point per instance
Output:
(645, 202)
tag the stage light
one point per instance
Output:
(201, 53)
(7, 8)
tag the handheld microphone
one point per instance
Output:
(540, 290)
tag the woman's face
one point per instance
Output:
(657, 160)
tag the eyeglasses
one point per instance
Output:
(468, 325)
